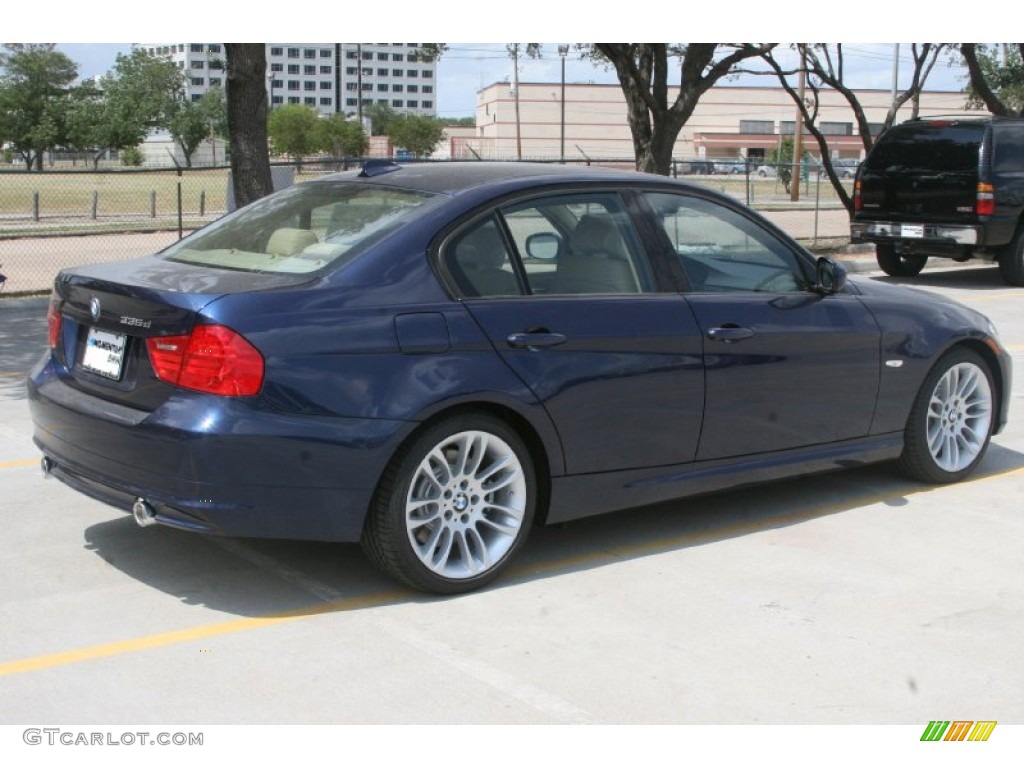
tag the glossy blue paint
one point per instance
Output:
(623, 399)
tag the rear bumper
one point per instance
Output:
(915, 235)
(215, 465)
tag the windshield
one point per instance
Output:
(303, 229)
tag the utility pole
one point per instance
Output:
(562, 51)
(515, 91)
(359, 84)
(798, 134)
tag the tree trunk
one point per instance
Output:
(247, 121)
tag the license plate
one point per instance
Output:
(912, 230)
(104, 353)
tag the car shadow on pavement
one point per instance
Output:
(965, 277)
(262, 578)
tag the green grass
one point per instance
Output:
(119, 193)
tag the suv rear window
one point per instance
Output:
(935, 147)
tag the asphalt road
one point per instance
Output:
(850, 598)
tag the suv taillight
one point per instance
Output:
(213, 359)
(53, 322)
(857, 202)
(985, 204)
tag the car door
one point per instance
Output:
(561, 286)
(785, 366)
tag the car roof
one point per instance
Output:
(451, 177)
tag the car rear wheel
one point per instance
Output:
(1011, 260)
(453, 506)
(950, 424)
(898, 264)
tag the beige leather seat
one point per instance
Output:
(288, 241)
(597, 261)
(480, 256)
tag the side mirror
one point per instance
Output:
(831, 276)
(543, 245)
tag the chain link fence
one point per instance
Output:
(55, 219)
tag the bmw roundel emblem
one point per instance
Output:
(94, 309)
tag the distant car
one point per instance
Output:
(767, 171)
(845, 168)
(429, 359)
(696, 168)
(730, 166)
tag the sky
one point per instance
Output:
(88, 29)
(467, 67)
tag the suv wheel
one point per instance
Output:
(898, 264)
(1011, 260)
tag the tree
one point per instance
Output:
(643, 70)
(996, 77)
(294, 130)
(33, 94)
(247, 121)
(417, 134)
(825, 68)
(781, 158)
(341, 137)
(140, 94)
(192, 122)
(381, 116)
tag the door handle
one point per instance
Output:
(730, 333)
(535, 340)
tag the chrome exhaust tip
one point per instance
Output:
(143, 513)
(46, 464)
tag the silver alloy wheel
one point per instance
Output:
(466, 504)
(959, 417)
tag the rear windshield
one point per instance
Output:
(306, 228)
(927, 147)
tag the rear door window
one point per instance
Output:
(928, 146)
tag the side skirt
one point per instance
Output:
(577, 496)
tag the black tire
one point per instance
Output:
(454, 505)
(1011, 260)
(950, 423)
(899, 265)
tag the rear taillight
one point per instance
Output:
(53, 322)
(857, 202)
(213, 359)
(986, 200)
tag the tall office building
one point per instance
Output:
(331, 77)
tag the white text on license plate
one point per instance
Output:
(104, 353)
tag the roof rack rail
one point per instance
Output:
(955, 116)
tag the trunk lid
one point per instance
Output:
(108, 311)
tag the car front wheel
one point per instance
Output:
(453, 506)
(897, 264)
(950, 424)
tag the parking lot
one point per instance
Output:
(849, 598)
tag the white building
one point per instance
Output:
(332, 77)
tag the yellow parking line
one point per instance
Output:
(197, 633)
(385, 597)
(19, 463)
(14, 375)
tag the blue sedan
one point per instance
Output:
(432, 359)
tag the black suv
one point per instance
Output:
(944, 187)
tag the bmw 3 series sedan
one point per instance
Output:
(431, 359)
